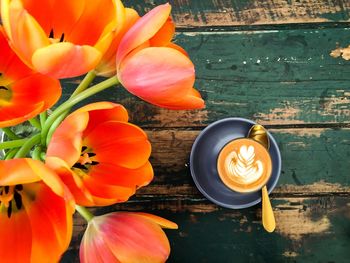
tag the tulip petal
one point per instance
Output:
(24, 104)
(135, 239)
(51, 223)
(143, 30)
(164, 35)
(15, 237)
(103, 111)
(164, 223)
(61, 60)
(17, 171)
(74, 183)
(93, 248)
(10, 65)
(159, 75)
(107, 66)
(116, 175)
(192, 100)
(25, 33)
(91, 24)
(117, 142)
(66, 141)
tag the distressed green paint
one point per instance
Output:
(223, 235)
(275, 77)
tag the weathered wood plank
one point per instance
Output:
(274, 77)
(314, 161)
(308, 230)
(194, 13)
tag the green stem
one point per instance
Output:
(10, 134)
(84, 213)
(84, 84)
(35, 122)
(43, 117)
(54, 126)
(74, 100)
(12, 144)
(37, 153)
(27, 146)
(11, 153)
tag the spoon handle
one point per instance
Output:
(268, 219)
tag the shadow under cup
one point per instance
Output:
(244, 165)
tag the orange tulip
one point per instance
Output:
(107, 67)
(35, 213)
(101, 157)
(61, 38)
(126, 238)
(23, 93)
(154, 69)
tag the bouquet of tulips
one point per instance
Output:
(91, 156)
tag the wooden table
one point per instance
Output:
(268, 61)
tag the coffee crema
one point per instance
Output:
(244, 165)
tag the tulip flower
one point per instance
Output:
(154, 69)
(126, 238)
(35, 213)
(107, 67)
(61, 38)
(101, 157)
(23, 92)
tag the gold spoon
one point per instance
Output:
(259, 134)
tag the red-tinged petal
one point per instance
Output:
(134, 239)
(164, 35)
(15, 237)
(192, 100)
(109, 194)
(17, 171)
(114, 27)
(50, 178)
(60, 15)
(103, 111)
(107, 66)
(93, 248)
(164, 223)
(8, 113)
(66, 141)
(116, 175)
(119, 143)
(64, 60)
(159, 75)
(51, 222)
(10, 65)
(143, 30)
(92, 22)
(23, 103)
(74, 183)
(25, 33)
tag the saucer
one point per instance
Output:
(203, 163)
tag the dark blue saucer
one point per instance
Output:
(204, 154)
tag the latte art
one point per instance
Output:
(244, 165)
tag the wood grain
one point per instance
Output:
(311, 229)
(284, 77)
(194, 13)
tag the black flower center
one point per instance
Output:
(86, 159)
(10, 198)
